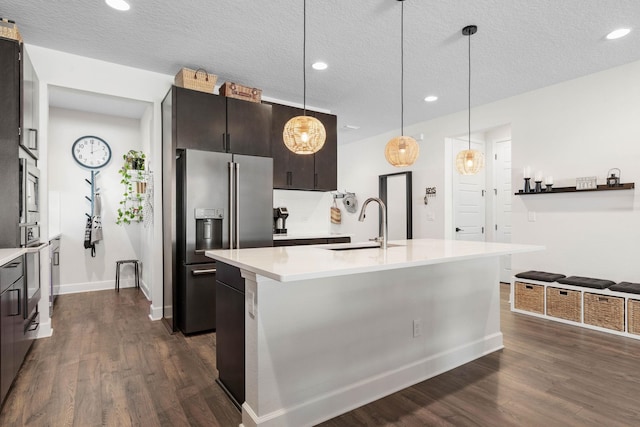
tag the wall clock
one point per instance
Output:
(91, 152)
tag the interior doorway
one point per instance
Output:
(480, 205)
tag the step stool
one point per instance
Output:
(136, 269)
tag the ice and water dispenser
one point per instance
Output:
(208, 228)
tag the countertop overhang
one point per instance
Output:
(291, 263)
(9, 254)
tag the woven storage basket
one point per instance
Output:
(604, 311)
(564, 304)
(633, 316)
(196, 80)
(234, 90)
(9, 30)
(529, 297)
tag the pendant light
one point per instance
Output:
(402, 150)
(304, 134)
(469, 162)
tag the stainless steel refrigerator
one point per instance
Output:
(223, 201)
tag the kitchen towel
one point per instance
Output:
(96, 220)
(336, 215)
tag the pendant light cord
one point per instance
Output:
(469, 92)
(402, 68)
(304, 58)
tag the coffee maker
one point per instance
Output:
(280, 215)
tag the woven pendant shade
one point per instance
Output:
(304, 135)
(401, 151)
(469, 162)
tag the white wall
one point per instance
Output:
(79, 271)
(308, 211)
(582, 127)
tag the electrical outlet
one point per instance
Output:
(417, 327)
(532, 216)
(431, 216)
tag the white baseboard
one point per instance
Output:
(74, 288)
(155, 313)
(44, 330)
(337, 402)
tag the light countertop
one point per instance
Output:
(9, 254)
(310, 236)
(289, 263)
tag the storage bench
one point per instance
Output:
(590, 303)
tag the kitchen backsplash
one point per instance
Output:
(309, 211)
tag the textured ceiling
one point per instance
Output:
(521, 45)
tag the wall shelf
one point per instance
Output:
(627, 186)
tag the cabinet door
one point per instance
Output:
(290, 170)
(326, 160)
(9, 312)
(29, 137)
(200, 120)
(9, 142)
(248, 127)
(230, 351)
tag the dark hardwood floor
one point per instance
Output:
(107, 364)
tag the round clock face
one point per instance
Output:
(91, 152)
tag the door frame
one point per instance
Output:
(382, 191)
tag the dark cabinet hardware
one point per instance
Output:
(458, 229)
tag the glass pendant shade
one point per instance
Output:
(469, 162)
(304, 135)
(402, 151)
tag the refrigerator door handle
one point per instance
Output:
(205, 271)
(237, 201)
(231, 206)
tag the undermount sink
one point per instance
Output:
(360, 246)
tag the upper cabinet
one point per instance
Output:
(248, 127)
(10, 73)
(326, 160)
(290, 171)
(303, 172)
(210, 122)
(29, 127)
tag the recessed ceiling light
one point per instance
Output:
(621, 32)
(319, 65)
(431, 98)
(118, 4)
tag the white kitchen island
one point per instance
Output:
(330, 330)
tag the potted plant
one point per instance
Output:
(132, 170)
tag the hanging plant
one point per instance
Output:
(132, 171)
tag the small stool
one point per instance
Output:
(135, 266)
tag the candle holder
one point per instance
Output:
(527, 186)
(538, 186)
(549, 188)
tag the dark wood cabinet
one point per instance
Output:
(290, 171)
(318, 241)
(199, 120)
(248, 127)
(303, 172)
(12, 350)
(10, 118)
(204, 121)
(326, 160)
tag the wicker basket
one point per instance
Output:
(9, 30)
(196, 80)
(604, 311)
(529, 297)
(633, 316)
(234, 90)
(564, 304)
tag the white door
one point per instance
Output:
(468, 198)
(502, 168)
